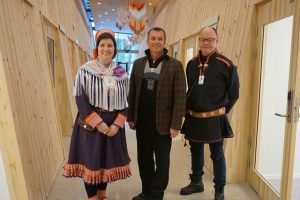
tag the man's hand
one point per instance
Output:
(113, 130)
(103, 128)
(173, 132)
(131, 125)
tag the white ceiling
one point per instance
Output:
(105, 12)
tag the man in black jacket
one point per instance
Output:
(213, 89)
(156, 108)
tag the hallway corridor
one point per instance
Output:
(72, 189)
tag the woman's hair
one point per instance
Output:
(106, 35)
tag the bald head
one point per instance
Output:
(208, 28)
(208, 38)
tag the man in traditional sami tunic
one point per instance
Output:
(213, 89)
(156, 108)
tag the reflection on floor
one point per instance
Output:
(295, 188)
(73, 189)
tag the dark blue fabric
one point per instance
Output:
(96, 150)
(91, 190)
(218, 158)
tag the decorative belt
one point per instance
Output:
(212, 113)
(84, 125)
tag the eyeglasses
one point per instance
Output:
(208, 40)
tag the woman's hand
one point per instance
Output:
(103, 128)
(113, 130)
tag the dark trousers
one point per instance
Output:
(154, 173)
(91, 190)
(218, 158)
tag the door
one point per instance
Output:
(275, 167)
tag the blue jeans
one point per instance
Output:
(218, 158)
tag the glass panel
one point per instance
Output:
(126, 60)
(124, 42)
(296, 175)
(273, 99)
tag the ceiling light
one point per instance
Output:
(102, 22)
(99, 3)
(150, 4)
(106, 13)
(113, 9)
(99, 15)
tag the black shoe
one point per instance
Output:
(156, 196)
(141, 196)
(195, 186)
(219, 195)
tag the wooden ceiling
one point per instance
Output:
(105, 12)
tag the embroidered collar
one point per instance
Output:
(209, 57)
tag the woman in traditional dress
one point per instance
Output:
(98, 150)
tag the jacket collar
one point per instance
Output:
(156, 63)
(209, 57)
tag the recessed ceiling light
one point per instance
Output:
(102, 22)
(150, 4)
(99, 3)
(106, 13)
(113, 9)
(100, 15)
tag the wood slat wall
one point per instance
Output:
(237, 30)
(31, 131)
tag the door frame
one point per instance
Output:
(290, 138)
(261, 186)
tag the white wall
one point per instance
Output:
(4, 194)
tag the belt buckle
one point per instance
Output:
(220, 110)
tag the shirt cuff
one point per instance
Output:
(120, 120)
(93, 119)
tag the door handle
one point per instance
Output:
(289, 107)
(281, 115)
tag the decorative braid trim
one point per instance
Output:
(120, 120)
(93, 119)
(97, 176)
(223, 60)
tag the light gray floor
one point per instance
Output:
(295, 187)
(73, 189)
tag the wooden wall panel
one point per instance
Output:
(31, 132)
(8, 135)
